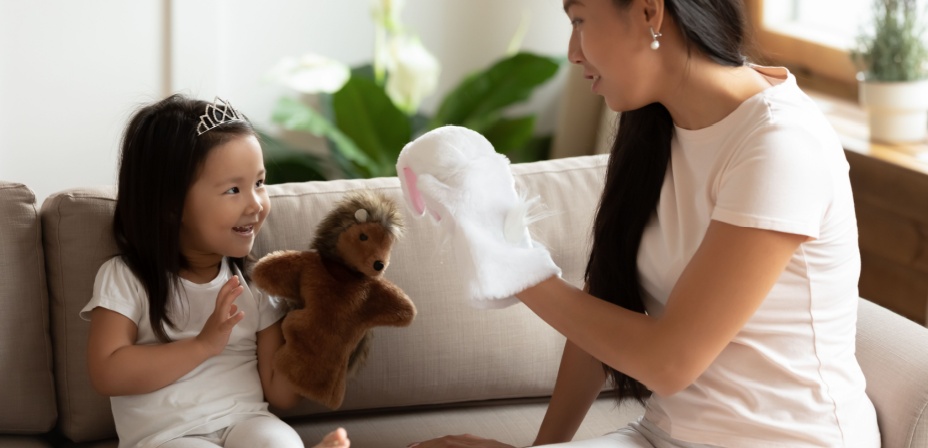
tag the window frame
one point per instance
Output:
(818, 65)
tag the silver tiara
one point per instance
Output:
(217, 113)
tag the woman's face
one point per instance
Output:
(612, 44)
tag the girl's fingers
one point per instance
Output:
(230, 284)
(235, 316)
(226, 310)
(229, 292)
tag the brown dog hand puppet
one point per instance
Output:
(338, 294)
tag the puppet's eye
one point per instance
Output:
(363, 237)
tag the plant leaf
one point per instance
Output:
(296, 116)
(510, 134)
(537, 148)
(478, 100)
(287, 164)
(364, 71)
(294, 167)
(365, 113)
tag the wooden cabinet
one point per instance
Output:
(892, 220)
(890, 186)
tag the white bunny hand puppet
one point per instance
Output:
(454, 175)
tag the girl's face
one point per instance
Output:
(226, 204)
(613, 47)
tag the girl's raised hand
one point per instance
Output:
(216, 331)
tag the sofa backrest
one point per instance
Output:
(893, 354)
(78, 238)
(451, 353)
(27, 390)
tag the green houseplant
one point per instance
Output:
(893, 60)
(367, 114)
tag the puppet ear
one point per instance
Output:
(361, 215)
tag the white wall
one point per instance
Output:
(71, 73)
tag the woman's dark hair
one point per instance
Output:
(638, 164)
(161, 156)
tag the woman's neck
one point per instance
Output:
(707, 92)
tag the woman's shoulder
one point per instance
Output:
(783, 116)
(785, 103)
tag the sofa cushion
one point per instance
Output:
(451, 353)
(513, 423)
(78, 236)
(23, 442)
(893, 354)
(27, 390)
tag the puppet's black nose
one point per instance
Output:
(378, 265)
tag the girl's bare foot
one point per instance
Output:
(335, 439)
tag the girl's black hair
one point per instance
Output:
(638, 164)
(160, 158)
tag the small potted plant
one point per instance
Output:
(893, 78)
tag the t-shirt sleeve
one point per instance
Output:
(779, 181)
(270, 308)
(117, 289)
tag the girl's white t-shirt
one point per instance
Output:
(789, 378)
(223, 390)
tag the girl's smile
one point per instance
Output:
(245, 231)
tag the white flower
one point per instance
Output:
(311, 74)
(386, 13)
(412, 73)
(386, 17)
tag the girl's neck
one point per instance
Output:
(201, 269)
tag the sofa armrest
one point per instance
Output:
(893, 353)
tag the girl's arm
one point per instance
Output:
(579, 380)
(719, 290)
(118, 366)
(277, 389)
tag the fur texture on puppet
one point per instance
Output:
(338, 294)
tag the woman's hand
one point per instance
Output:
(464, 440)
(455, 175)
(216, 331)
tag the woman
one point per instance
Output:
(727, 216)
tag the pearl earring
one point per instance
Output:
(655, 44)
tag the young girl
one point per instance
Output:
(178, 340)
(722, 282)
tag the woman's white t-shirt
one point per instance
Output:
(223, 390)
(789, 378)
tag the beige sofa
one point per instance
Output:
(455, 370)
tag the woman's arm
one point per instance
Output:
(118, 366)
(277, 390)
(719, 290)
(579, 380)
